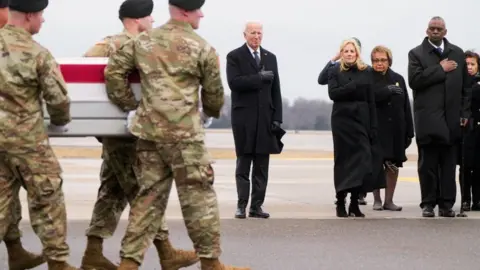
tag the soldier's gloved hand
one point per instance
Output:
(266, 75)
(395, 90)
(56, 129)
(206, 120)
(130, 116)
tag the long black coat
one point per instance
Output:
(255, 104)
(354, 130)
(395, 122)
(440, 98)
(323, 76)
(471, 143)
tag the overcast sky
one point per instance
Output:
(304, 34)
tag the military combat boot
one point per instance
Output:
(93, 258)
(56, 265)
(127, 264)
(215, 264)
(174, 259)
(19, 258)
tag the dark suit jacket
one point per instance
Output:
(255, 104)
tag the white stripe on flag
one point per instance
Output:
(94, 91)
(82, 60)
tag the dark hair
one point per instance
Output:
(472, 54)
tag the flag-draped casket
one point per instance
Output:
(92, 112)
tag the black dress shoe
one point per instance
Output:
(427, 211)
(241, 213)
(258, 213)
(446, 212)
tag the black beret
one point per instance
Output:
(358, 42)
(28, 6)
(135, 9)
(187, 5)
(3, 3)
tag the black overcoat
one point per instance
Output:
(440, 99)
(255, 104)
(357, 153)
(395, 122)
(470, 149)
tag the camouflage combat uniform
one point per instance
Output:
(118, 186)
(173, 61)
(29, 74)
(18, 257)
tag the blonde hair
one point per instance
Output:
(382, 49)
(359, 62)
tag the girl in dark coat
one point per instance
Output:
(395, 122)
(469, 152)
(353, 124)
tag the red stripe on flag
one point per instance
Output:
(89, 73)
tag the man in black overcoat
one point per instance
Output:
(437, 75)
(252, 75)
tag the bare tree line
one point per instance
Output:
(301, 114)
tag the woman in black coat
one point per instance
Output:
(353, 123)
(469, 152)
(395, 122)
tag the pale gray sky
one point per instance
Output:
(304, 34)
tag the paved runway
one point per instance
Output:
(223, 139)
(280, 244)
(303, 232)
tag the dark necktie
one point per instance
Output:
(257, 59)
(439, 50)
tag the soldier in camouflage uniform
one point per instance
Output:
(18, 257)
(31, 74)
(118, 182)
(173, 62)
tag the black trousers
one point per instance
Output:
(259, 179)
(470, 184)
(436, 170)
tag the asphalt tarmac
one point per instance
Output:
(303, 232)
(293, 244)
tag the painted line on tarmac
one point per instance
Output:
(221, 181)
(408, 179)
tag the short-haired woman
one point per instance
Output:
(395, 122)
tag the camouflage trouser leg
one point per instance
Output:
(39, 171)
(10, 206)
(118, 186)
(158, 165)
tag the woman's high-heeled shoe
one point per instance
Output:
(354, 210)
